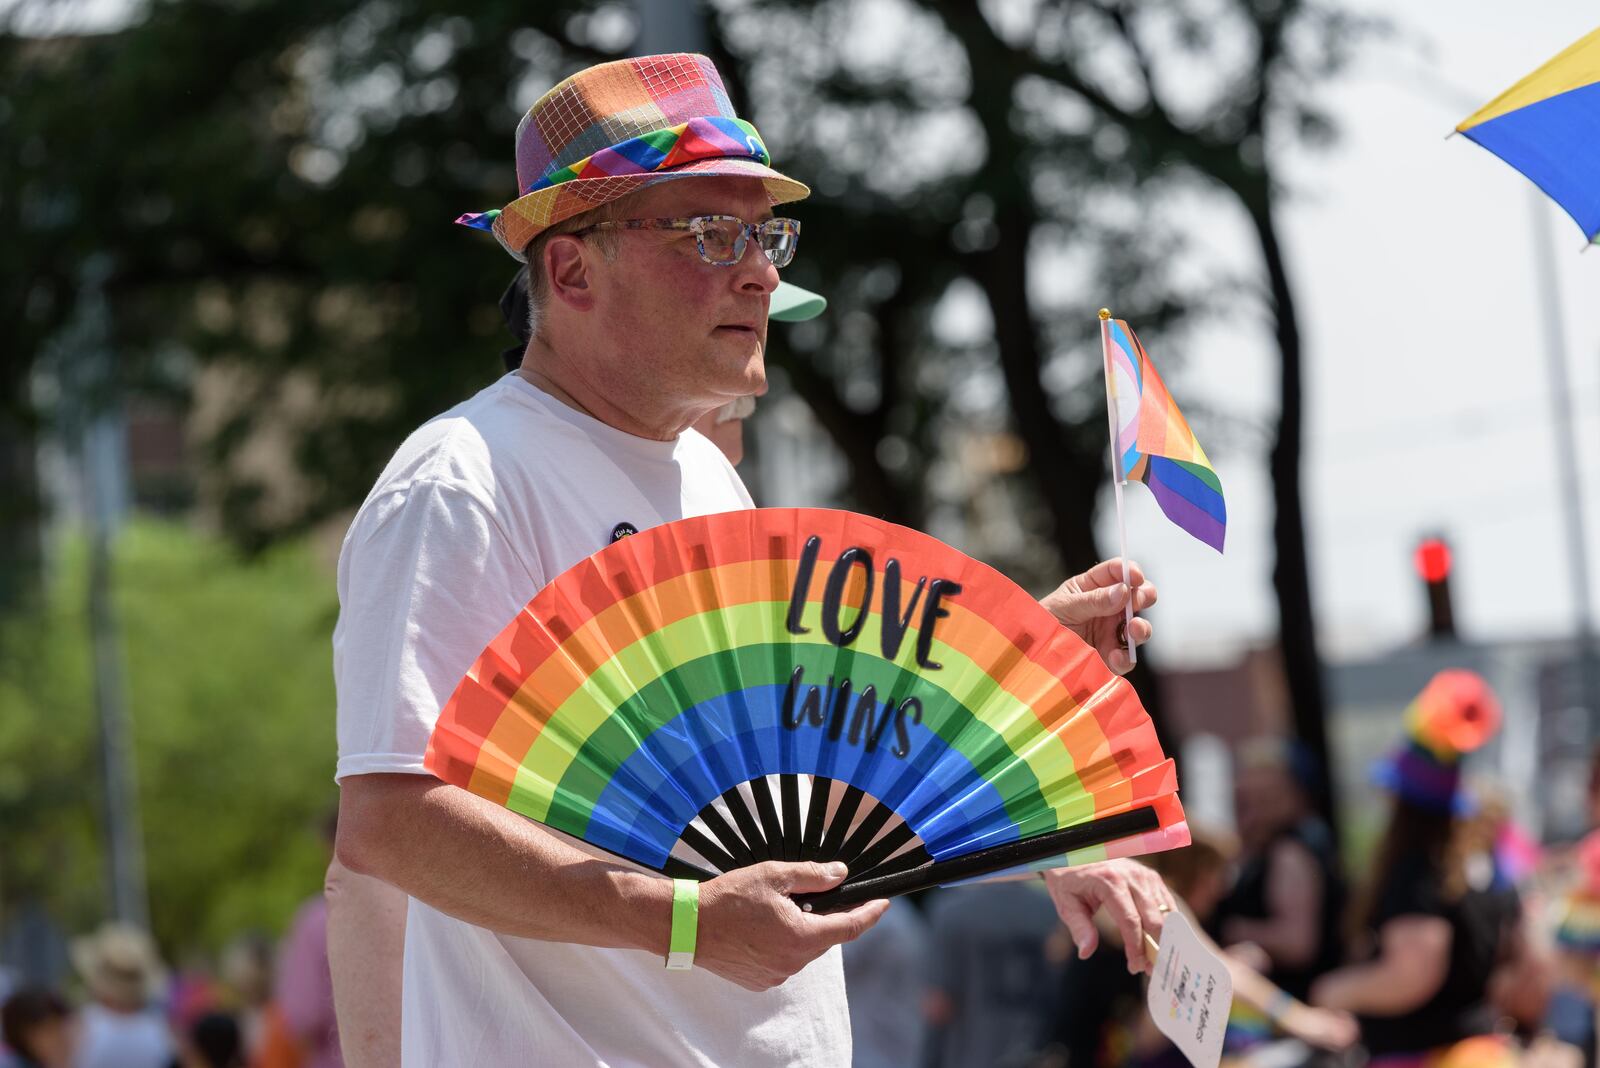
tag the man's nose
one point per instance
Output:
(755, 270)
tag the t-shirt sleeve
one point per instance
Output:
(427, 578)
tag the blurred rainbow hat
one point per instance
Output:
(616, 128)
(1453, 715)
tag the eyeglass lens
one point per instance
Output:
(723, 241)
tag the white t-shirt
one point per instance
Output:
(108, 1039)
(478, 510)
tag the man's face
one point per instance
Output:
(695, 331)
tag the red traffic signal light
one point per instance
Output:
(1432, 559)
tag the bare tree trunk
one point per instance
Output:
(19, 511)
(1066, 480)
(1291, 578)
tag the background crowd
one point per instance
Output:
(1455, 946)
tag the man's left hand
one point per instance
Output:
(1133, 896)
(1093, 605)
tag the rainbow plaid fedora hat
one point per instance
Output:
(615, 128)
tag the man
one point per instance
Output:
(646, 222)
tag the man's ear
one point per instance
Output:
(566, 265)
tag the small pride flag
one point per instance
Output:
(1154, 444)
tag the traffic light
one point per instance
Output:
(1432, 560)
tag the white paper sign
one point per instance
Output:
(1190, 993)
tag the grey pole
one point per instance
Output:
(1566, 442)
(92, 385)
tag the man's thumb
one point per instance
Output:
(1104, 601)
(808, 878)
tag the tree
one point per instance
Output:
(227, 669)
(1071, 103)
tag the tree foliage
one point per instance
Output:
(231, 706)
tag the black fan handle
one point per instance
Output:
(981, 862)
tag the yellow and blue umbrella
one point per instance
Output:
(1548, 127)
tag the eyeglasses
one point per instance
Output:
(721, 239)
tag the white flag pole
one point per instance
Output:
(1114, 421)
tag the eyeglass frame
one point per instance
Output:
(695, 224)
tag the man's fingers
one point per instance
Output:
(847, 926)
(1109, 573)
(806, 878)
(1080, 924)
(1122, 909)
(1144, 596)
(1151, 899)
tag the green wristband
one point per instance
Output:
(685, 924)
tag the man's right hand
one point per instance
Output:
(752, 933)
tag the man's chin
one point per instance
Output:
(738, 408)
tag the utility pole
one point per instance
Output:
(1562, 425)
(91, 396)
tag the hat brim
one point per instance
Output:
(528, 216)
(791, 304)
(1394, 774)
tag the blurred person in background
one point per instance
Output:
(303, 992)
(37, 1028)
(249, 971)
(214, 1040)
(1262, 1010)
(885, 975)
(1433, 939)
(1570, 1014)
(122, 1027)
(246, 969)
(1500, 858)
(992, 980)
(1289, 897)
(1101, 1021)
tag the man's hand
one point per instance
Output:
(752, 933)
(1093, 606)
(1133, 895)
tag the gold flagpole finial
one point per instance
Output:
(1105, 313)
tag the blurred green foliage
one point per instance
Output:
(227, 668)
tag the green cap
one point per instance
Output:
(791, 304)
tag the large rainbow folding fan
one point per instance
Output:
(805, 684)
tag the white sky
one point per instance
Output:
(1427, 378)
